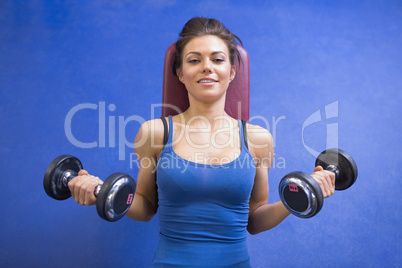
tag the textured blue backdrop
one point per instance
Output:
(79, 77)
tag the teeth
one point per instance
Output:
(205, 81)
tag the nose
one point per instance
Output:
(207, 67)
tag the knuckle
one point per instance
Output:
(88, 191)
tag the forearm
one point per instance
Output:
(266, 217)
(141, 209)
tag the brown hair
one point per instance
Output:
(199, 26)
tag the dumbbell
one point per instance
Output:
(113, 197)
(301, 194)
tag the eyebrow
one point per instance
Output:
(199, 54)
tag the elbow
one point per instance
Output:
(143, 218)
(148, 218)
(140, 215)
(252, 232)
(252, 229)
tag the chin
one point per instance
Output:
(209, 97)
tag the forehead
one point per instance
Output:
(206, 44)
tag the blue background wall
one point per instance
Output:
(305, 56)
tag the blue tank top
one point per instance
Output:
(203, 209)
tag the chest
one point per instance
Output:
(205, 146)
(183, 182)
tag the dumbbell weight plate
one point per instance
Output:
(345, 164)
(115, 196)
(53, 179)
(301, 194)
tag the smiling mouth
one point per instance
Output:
(206, 81)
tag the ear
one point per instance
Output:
(179, 74)
(232, 73)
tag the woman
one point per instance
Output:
(208, 182)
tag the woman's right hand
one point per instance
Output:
(82, 188)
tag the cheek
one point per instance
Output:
(226, 73)
(188, 74)
(184, 77)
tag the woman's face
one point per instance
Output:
(206, 71)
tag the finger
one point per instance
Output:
(322, 178)
(82, 191)
(87, 191)
(78, 184)
(333, 178)
(75, 186)
(327, 183)
(82, 172)
(71, 186)
(98, 180)
(331, 181)
(317, 177)
(318, 168)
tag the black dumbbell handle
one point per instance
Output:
(333, 169)
(69, 174)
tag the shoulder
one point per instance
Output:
(150, 136)
(260, 143)
(259, 136)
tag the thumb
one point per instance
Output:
(82, 172)
(318, 168)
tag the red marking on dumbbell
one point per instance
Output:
(130, 199)
(293, 188)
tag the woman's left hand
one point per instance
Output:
(326, 180)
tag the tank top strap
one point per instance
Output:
(170, 132)
(166, 131)
(243, 134)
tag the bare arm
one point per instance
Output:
(147, 147)
(263, 216)
(148, 144)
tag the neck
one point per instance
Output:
(199, 114)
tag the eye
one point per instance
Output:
(193, 61)
(219, 60)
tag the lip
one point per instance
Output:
(206, 80)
